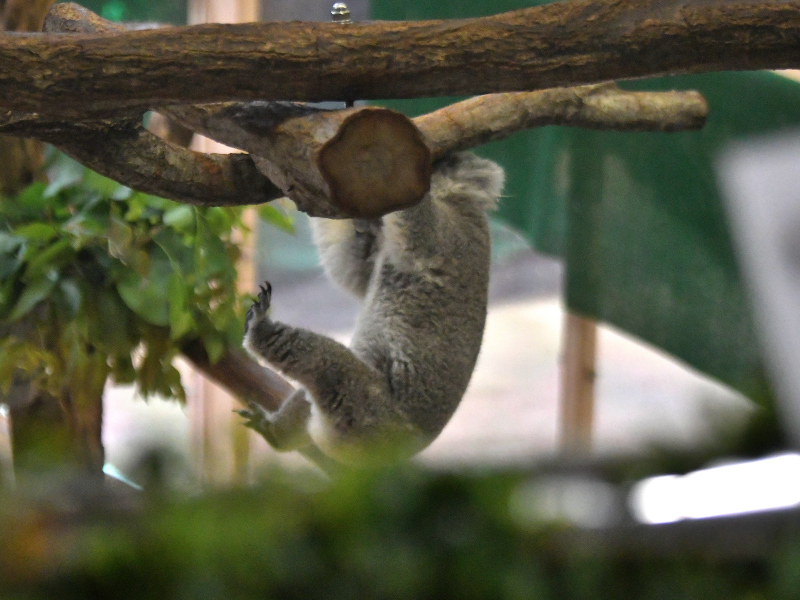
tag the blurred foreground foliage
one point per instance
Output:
(399, 534)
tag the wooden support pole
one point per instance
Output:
(578, 365)
(583, 275)
(223, 445)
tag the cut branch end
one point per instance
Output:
(377, 163)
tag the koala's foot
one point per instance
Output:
(259, 419)
(284, 429)
(260, 307)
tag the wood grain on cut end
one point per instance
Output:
(377, 163)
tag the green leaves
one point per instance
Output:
(274, 216)
(35, 292)
(145, 295)
(92, 274)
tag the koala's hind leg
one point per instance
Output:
(339, 384)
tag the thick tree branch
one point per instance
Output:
(145, 162)
(125, 151)
(494, 117)
(348, 163)
(294, 139)
(466, 124)
(250, 382)
(566, 43)
(367, 162)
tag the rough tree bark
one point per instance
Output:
(21, 158)
(565, 43)
(125, 151)
(353, 163)
(349, 163)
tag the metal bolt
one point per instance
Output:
(340, 13)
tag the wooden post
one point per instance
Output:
(577, 383)
(6, 460)
(221, 446)
(583, 272)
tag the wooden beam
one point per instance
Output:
(559, 44)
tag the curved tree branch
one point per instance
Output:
(484, 119)
(565, 43)
(352, 163)
(128, 153)
(474, 121)
(250, 382)
(289, 148)
(125, 151)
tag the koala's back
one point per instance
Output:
(424, 309)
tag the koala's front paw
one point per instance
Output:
(260, 307)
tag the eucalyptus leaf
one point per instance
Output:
(180, 255)
(36, 232)
(52, 258)
(123, 192)
(146, 296)
(120, 239)
(10, 243)
(276, 217)
(180, 318)
(158, 347)
(214, 344)
(34, 292)
(218, 220)
(70, 291)
(85, 228)
(173, 387)
(12, 254)
(122, 369)
(137, 203)
(32, 197)
(103, 185)
(67, 175)
(114, 323)
(215, 258)
(180, 218)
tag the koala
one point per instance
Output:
(422, 275)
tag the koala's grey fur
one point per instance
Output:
(423, 276)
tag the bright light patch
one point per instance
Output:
(112, 471)
(759, 485)
(580, 501)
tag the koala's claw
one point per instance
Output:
(258, 419)
(255, 416)
(260, 306)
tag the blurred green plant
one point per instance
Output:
(97, 280)
(384, 535)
